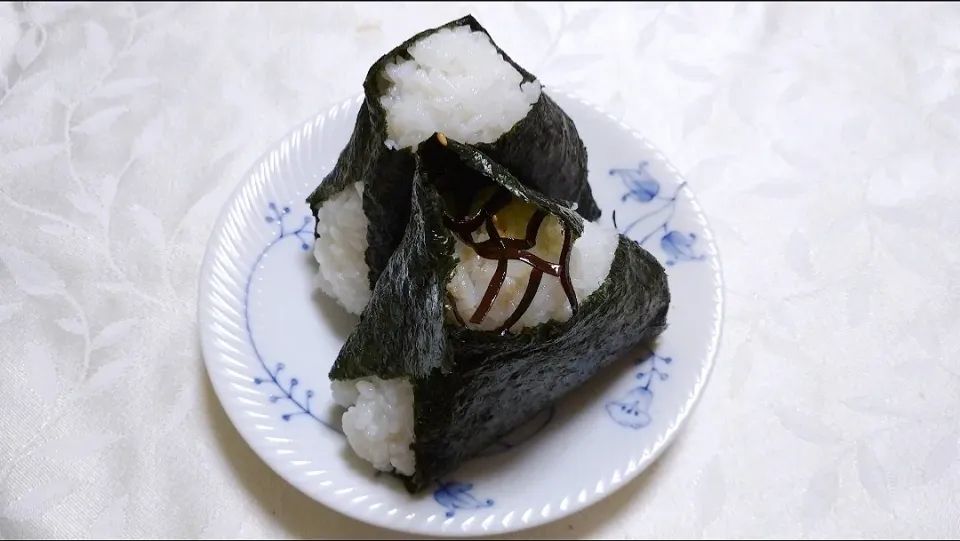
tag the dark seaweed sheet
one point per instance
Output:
(456, 168)
(470, 387)
(543, 150)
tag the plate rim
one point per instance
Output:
(620, 477)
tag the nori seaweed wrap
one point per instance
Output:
(542, 150)
(471, 386)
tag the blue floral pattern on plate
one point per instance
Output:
(643, 188)
(632, 409)
(286, 391)
(455, 495)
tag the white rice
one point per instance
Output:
(590, 260)
(458, 84)
(340, 249)
(378, 422)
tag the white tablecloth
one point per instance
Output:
(823, 140)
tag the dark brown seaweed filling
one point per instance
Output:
(503, 250)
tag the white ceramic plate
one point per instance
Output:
(269, 340)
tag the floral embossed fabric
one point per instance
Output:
(820, 139)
